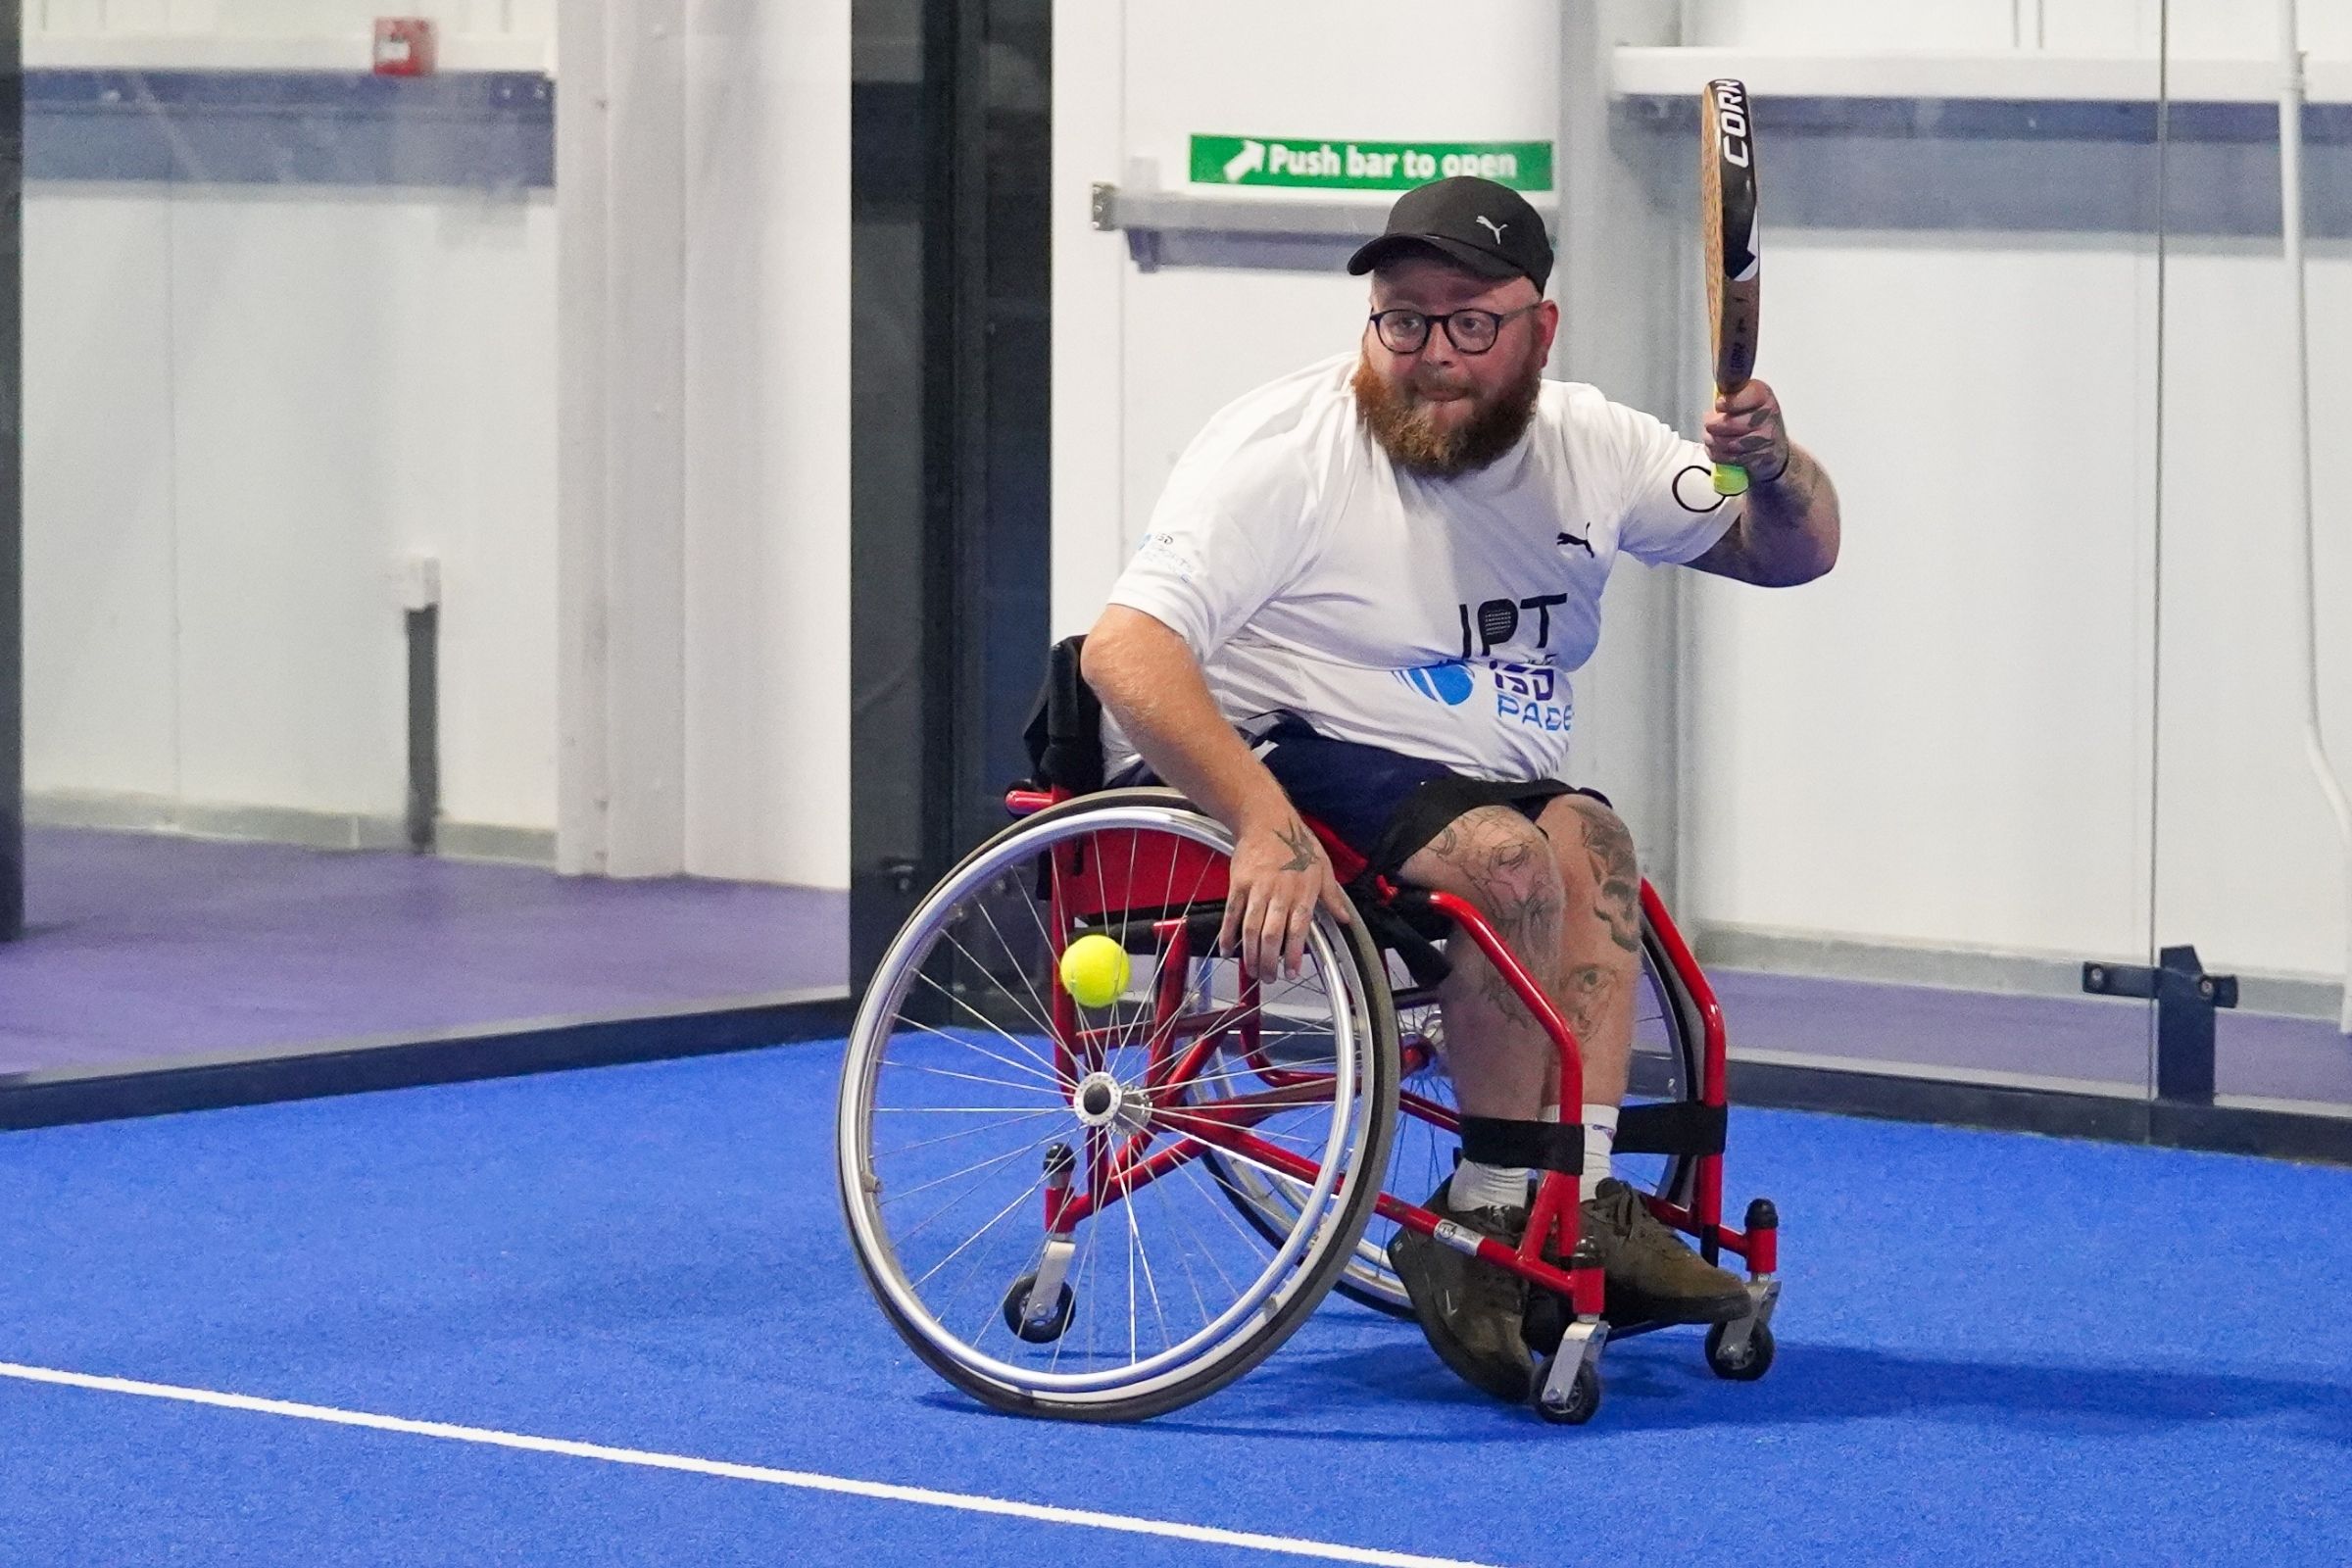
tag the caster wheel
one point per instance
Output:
(1750, 1362)
(1584, 1396)
(1047, 1332)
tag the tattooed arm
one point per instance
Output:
(1788, 529)
(1148, 678)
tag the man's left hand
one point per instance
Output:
(1746, 428)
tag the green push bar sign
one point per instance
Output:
(1307, 164)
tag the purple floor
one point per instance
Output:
(145, 946)
(2096, 1041)
(142, 945)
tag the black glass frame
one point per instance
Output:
(951, 526)
(1379, 326)
(12, 471)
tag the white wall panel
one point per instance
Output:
(286, 425)
(2214, 28)
(492, 517)
(767, 462)
(2243, 29)
(2249, 866)
(280, 18)
(100, 697)
(322, 434)
(1945, 741)
(1851, 27)
(244, 409)
(1090, 277)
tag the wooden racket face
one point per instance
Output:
(1726, 220)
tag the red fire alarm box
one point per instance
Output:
(403, 46)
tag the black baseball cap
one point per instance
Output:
(1474, 223)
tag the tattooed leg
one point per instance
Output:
(1599, 936)
(1500, 1060)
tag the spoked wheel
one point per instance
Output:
(1024, 1179)
(1669, 1046)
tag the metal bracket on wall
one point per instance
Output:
(2186, 999)
(1147, 216)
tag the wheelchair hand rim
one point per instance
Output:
(863, 1063)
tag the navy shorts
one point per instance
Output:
(1383, 805)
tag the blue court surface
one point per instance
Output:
(610, 1317)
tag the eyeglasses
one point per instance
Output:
(1471, 331)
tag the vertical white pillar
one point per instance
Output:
(620, 468)
(1623, 328)
(1090, 538)
(767, 440)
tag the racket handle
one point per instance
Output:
(1729, 479)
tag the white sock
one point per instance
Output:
(1601, 1137)
(1477, 1186)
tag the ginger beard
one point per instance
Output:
(1403, 419)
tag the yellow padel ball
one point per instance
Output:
(1094, 971)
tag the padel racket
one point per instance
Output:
(1726, 224)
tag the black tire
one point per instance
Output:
(1320, 1256)
(1751, 1363)
(1583, 1395)
(1047, 1330)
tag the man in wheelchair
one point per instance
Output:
(1361, 600)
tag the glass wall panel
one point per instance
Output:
(2254, 718)
(294, 689)
(1917, 792)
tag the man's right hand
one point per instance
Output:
(1147, 676)
(1280, 873)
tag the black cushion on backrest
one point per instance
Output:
(1065, 732)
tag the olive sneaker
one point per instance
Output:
(1470, 1311)
(1653, 1275)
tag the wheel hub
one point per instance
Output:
(1101, 1101)
(1098, 1099)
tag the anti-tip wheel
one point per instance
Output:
(1747, 1363)
(1043, 1332)
(1584, 1394)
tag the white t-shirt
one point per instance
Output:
(1439, 617)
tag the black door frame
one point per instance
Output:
(12, 471)
(949, 589)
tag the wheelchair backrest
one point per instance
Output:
(1065, 732)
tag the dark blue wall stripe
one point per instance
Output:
(2039, 167)
(476, 130)
(2013, 119)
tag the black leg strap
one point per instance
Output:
(1674, 1127)
(1539, 1145)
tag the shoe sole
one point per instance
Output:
(1627, 1307)
(1512, 1386)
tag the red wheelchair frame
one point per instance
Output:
(1180, 1044)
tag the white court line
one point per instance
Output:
(804, 1480)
